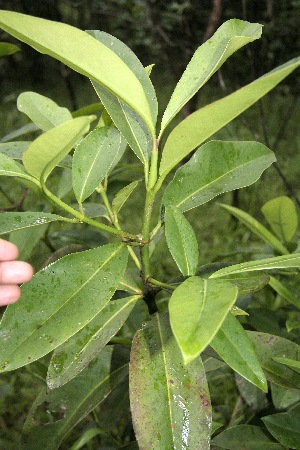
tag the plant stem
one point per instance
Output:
(169, 287)
(114, 220)
(150, 195)
(83, 218)
(146, 235)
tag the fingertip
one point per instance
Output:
(8, 251)
(28, 272)
(9, 294)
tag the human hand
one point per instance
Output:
(12, 273)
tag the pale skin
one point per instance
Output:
(12, 273)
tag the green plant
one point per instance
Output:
(76, 310)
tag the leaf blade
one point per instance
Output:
(188, 134)
(45, 152)
(181, 241)
(234, 346)
(207, 59)
(75, 354)
(11, 221)
(204, 176)
(43, 111)
(72, 402)
(197, 310)
(67, 282)
(278, 262)
(94, 157)
(256, 227)
(165, 408)
(281, 214)
(82, 53)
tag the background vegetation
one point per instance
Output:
(167, 33)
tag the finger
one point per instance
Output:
(8, 251)
(15, 272)
(9, 294)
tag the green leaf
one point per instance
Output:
(215, 168)
(67, 406)
(246, 437)
(27, 239)
(248, 282)
(14, 150)
(283, 398)
(284, 292)
(285, 427)
(92, 209)
(15, 134)
(87, 110)
(45, 152)
(59, 301)
(122, 196)
(256, 227)
(131, 60)
(12, 221)
(129, 284)
(181, 241)
(75, 354)
(8, 49)
(207, 59)
(253, 396)
(268, 347)
(94, 157)
(198, 308)
(81, 52)
(130, 124)
(10, 168)
(281, 214)
(86, 437)
(234, 346)
(278, 262)
(202, 124)
(295, 365)
(170, 402)
(43, 111)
